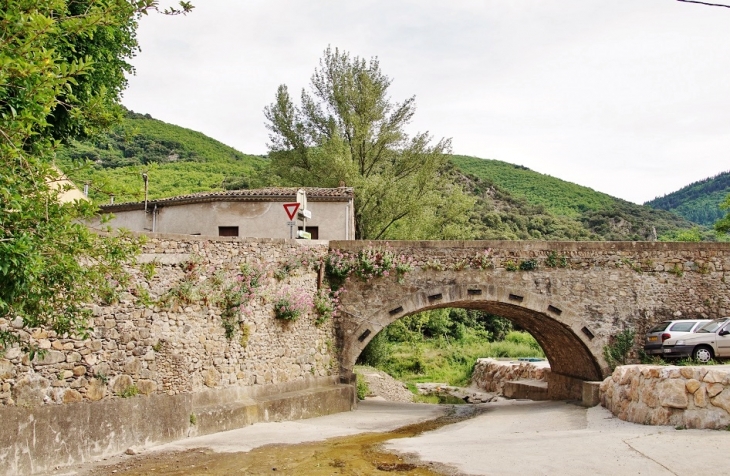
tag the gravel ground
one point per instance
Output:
(384, 387)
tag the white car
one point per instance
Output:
(711, 341)
(666, 330)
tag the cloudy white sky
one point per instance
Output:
(628, 97)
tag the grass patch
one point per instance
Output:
(448, 361)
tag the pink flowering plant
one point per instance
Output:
(326, 304)
(291, 304)
(237, 295)
(298, 258)
(482, 260)
(369, 263)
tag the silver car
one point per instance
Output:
(710, 341)
(667, 330)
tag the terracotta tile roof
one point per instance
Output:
(273, 194)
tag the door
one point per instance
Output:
(723, 342)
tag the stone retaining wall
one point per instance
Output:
(491, 374)
(688, 397)
(159, 355)
(165, 334)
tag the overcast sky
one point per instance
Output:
(628, 97)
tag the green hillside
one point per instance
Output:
(512, 202)
(557, 196)
(599, 214)
(177, 161)
(699, 201)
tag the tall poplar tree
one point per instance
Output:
(348, 130)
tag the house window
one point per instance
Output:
(313, 230)
(227, 231)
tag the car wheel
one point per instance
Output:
(702, 354)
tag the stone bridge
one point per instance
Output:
(571, 296)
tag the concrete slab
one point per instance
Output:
(370, 416)
(525, 438)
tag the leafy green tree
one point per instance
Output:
(62, 66)
(347, 130)
(723, 224)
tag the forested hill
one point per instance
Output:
(512, 202)
(699, 201)
(177, 161)
(599, 214)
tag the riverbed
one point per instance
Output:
(501, 438)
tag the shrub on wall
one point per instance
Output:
(289, 305)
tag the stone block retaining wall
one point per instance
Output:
(690, 397)
(157, 364)
(491, 374)
(165, 334)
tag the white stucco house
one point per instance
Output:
(256, 213)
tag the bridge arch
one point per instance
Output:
(573, 352)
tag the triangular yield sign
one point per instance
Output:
(291, 209)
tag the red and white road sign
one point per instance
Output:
(291, 209)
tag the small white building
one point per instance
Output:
(257, 213)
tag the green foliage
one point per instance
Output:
(482, 260)
(528, 265)
(245, 334)
(557, 196)
(324, 306)
(442, 345)
(148, 270)
(376, 352)
(143, 295)
(723, 225)
(347, 130)
(362, 387)
(178, 161)
(619, 350)
(63, 67)
(131, 391)
(522, 338)
(448, 323)
(366, 264)
(699, 202)
(441, 360)
(553, 260)
(676, 270)
(235, 296)
(511, 265)
(694, 234)
(517, 203)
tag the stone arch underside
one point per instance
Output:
(558, 326)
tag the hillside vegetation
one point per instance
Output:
(562, 210)
(177, 161)
(511, 201)
(698, 202)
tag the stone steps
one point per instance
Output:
(526, 389)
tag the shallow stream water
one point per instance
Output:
(349, 455)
